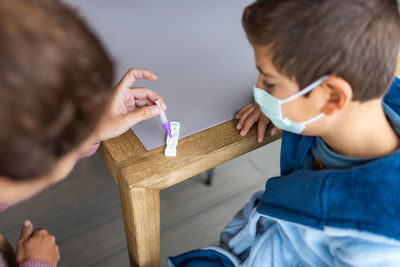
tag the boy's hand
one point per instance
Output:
(37, 245)
(129, 106)
(249, 115)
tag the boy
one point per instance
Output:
(56, 104)
(326, 67)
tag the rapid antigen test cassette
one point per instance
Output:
(172, 142)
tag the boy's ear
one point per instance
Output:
(339, 94)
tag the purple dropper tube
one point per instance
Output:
(164, 120)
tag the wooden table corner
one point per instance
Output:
(142, 174)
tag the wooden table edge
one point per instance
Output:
(196, 154)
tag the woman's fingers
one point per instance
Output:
(26, 230)
(139, 103)
(146, 96)
(132, 118)
(40, 246)
(134, 74)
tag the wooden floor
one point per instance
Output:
(84, 213)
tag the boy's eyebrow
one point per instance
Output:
(263, 73)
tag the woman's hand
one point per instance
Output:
(249, 115)
(37, 245)
(129, 106)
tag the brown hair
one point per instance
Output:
(55, 81)
(357, 40)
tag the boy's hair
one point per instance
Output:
(357, 40)
(55, 81)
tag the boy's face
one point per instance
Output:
(280, 86)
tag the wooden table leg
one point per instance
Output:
(141, 212)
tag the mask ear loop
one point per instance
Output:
(314, 119)
(319, 82)
(305, 90)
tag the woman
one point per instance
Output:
(56, 105)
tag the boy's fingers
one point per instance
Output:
(251, 119)
(243, 109)
(262, 127)
(275, 131)
(134, 74)
(26, 230)
(132, 118)
(243, 117)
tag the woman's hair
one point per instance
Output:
(55, 83)
(357, 40)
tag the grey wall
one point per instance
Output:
(198, 50)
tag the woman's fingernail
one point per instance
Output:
(164, 106)
(242, 132)
(273, 133)
(259, 139)
(238, 126)
(27, 223)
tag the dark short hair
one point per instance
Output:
(357, 40)
(55, 81)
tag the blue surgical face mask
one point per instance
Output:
(271, 107)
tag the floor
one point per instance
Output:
(84, 212)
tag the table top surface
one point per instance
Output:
(198, 49)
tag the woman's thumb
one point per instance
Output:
(27, 229)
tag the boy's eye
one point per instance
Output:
(268, 86)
